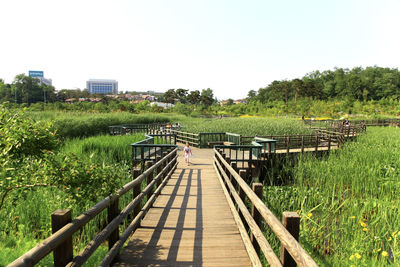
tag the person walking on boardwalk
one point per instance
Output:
(188, 153)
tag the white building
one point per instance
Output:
(101, 86)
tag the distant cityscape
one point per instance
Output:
(109, 88)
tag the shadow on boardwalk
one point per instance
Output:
(150, 253)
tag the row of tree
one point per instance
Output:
(26, 89)
(184, 96)
(371, 83)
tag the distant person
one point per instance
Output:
(188, 153)
(162, 129)
(302, 118)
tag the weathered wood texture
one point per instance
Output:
(190, 223)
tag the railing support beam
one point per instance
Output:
(291, 221)
(63, 254)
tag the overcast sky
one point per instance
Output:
(230, 46)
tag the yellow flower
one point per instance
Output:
(358, 256)
(389, 239)
(365, 229)
(384, 254)
(394, 234)
(309, 215)
(298, 211)
(351, 257)
(352, 217)
(363, 224)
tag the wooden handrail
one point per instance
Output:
(111, 226)
(266, 248)
(37, 253)
(287, 240)
(135, 222)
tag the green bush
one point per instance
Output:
(21, 136)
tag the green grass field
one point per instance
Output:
(246, 126)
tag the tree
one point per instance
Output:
(170, 96)
(6, 92)
(30, 90)
(181, 94)
(251, 96)
(207, 97)
(193, 97)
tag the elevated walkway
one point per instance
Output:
(190, 223)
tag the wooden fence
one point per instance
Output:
(141, 128)
(183, 137)
(375, 122)
(60, 243)
(237, 191)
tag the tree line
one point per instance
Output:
(371, 83)
(357, 84)
(185, 96)
(26, 89)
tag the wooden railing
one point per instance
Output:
(211, 139)
(141, 128)
(183, 137)
(374, 122)
(236, 191)
(315, 142)
(156, 176)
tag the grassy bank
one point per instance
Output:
(84, 124)
(349, 202)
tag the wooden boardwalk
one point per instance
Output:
(190, 223)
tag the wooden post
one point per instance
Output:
(329, 142)
(142, 157)
(160, 168)
(316, 143)
(234, 166)
(112, 212)
(302, 143)
(242, 194)
(258, 190)
(291, 221)
(228, 160)
(136, 192)
(149, 178)
(287, 144)
(64, 253)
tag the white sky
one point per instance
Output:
(230, 46)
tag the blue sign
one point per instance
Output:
(35, 73)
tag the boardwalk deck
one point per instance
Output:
(190, 223)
